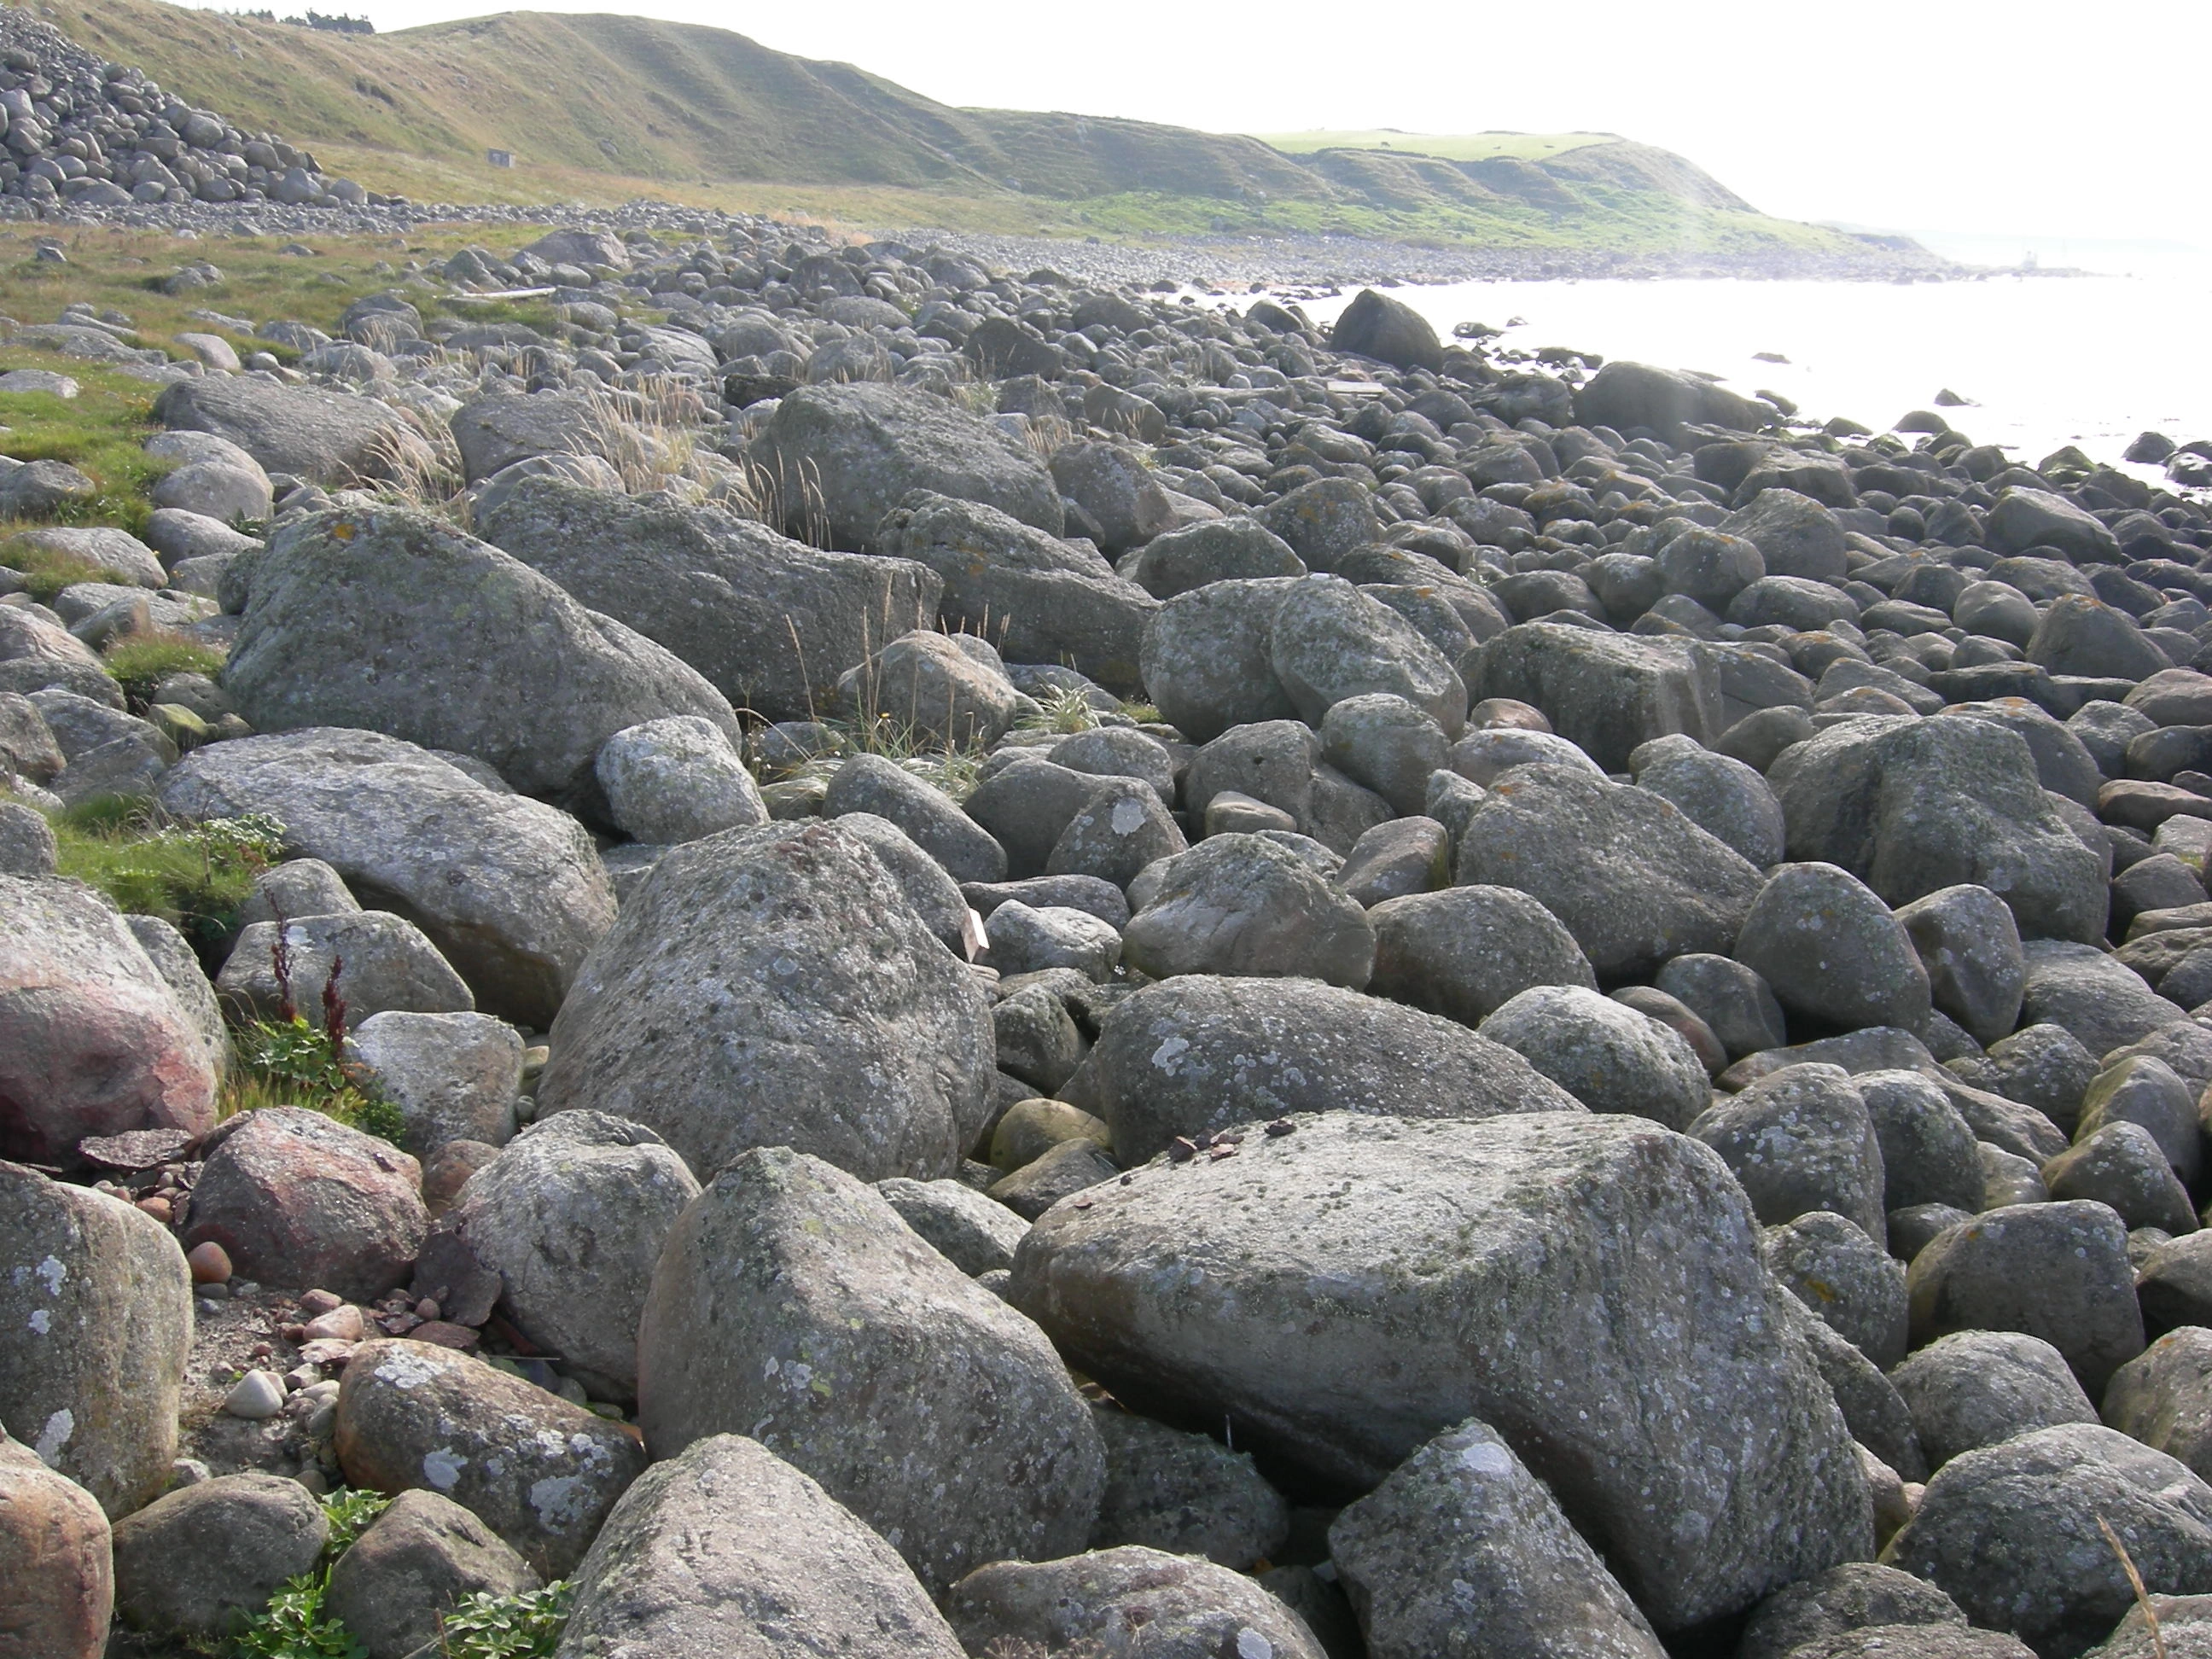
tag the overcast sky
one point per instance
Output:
(1973, 116)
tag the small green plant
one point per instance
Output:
(526, 1626)
(195, 877)
(51, 570)
(1065, 711)
(289, 1062)
(140, 662)
(292, 1626)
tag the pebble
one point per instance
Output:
(255, 1396)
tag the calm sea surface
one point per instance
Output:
(2048, 361)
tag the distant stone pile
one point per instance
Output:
(96, 135)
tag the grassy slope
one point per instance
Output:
(1451, 147)
(600, 108)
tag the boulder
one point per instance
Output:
(1243, 905)
(2163, 1397)
(1389, 331)
(93, 1040)
(1324, 522)
(1975, 1389)
(871, 784)
(1913, 807)
(1707, 1465)
(509, 889)
(418, 1559)
(1623, 394)
(1969, 947)
(1040, 599)
(2024, 519)
(1605, 1053)
(390, 619)
(540, 1471)
(2059, 1271)
(935, 688)
(1329, 642)
(1207, 660)
(298, 1199)
(1795, 534)
(1851, 1284)
(1183, 1494)
(771, 623)
(200, 1561)
(374, 961)
(1467, 951)
(1186, 1608)
(572, 1216)
(1832, 951)
(727, 1549)
(453, 1077)
(1221, 549)
(839, 458)
(1800, 1140)
(1462, 1551)
(97, 1304)
(967, 1229)
(1609, 693)
(2011, 1533)
(55, 1558)
(1630, 877)
(322, 436)
(675, 779)
(1858, 1595)
(1198, 1055)
(792, 1300)
(495, 432)
(773, 987)
(2099, 1000)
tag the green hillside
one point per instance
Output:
(598, 108)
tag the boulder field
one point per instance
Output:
(1048, 971)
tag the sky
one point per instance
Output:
(1974, 116)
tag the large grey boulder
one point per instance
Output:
(773, 987)
(495, 432)
(1187, 1494)
(1607, 693)
(2097, 999)
(1467, 951)
(1623, 394)
(792, 1300)
(841, 457)
(94, 1040)
(2163, 1397)
(391, 619)
(771, 623)
(1463, 1551)
(572, 1216)
(1800, 1140)
(675, 779)
(1969, 945)
(2025, 518)
(1207, 659)
(423, 1554)
(1605, 1053)
(453, 1077)
(1975, 1389)
(509, 889)
(56, 1555)
(1631, 878)
(1912, 806)
(1239, 904)
(1037, 598)
(2011, 1533)
(1391, 330)
(976, 1234)
(377, 962)
(1858, 1595)
(2056, 1271)
(96, 1301)
(323, 436)
(1724, 798)
(1344, 1293)
(1849, 1282)
(1198, 1054)
(540, 1471)
(1795, 534)
(1832, 951)
(1330, 641)
(196, 1563)
(726, 1549)
(1184, 1608)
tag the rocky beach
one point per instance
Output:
(716, 939)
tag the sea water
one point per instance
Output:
(2046, 360)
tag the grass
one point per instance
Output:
(1450, 147)
(98, 432)
(140, 662)
(289, 1062)
(195, 878)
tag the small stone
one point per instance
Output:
(210, 1262)
(256, 1396)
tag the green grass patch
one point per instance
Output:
(51, 570)
(196, 878)
(140, 662)
(289, 1062)
(99, 432)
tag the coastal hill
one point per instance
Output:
(599, 108)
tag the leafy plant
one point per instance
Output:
(292, 1626)
(195, 877)
(140, 662)
(524, 1626)
(349, 1510)
(1065, 711)
(289, 1062)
